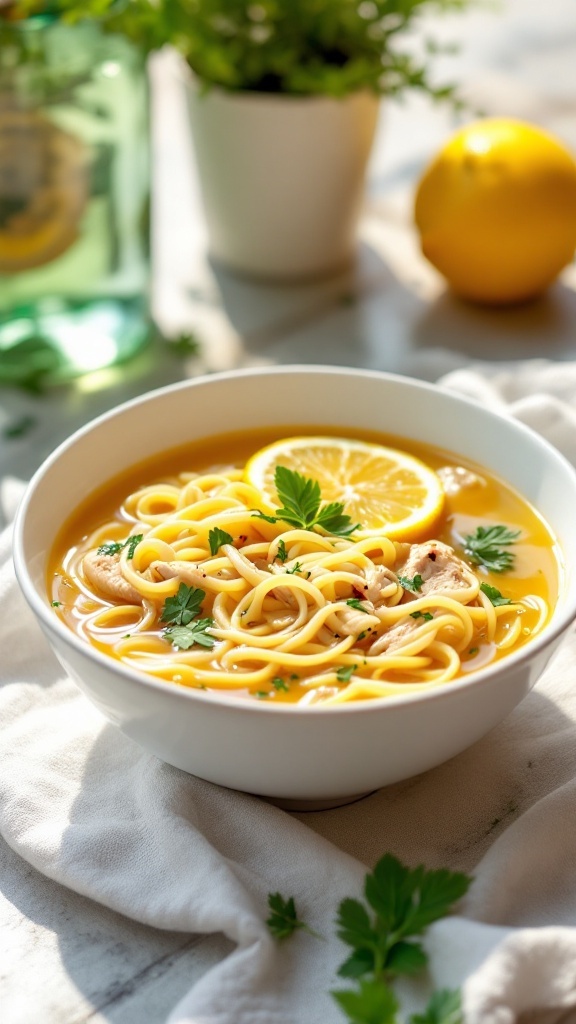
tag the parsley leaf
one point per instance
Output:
(114, 547)
(281, 554)
(297, 567)
(279, 684)
(184, 606)
(284, 920)
(356, 602)
(427, 616)
(132, 543)
(373, 1003)
(404, 902)
(218, 537)
(344, 672)
(179, 611)
(110, 547)
(445, 1007)
(301, 498)
(184, 637)
(494, 595)
(485, 547)
(411, 584)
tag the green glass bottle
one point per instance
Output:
(74, 198)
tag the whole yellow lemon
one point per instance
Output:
(496, 210)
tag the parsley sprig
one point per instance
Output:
(114, 547)
(179, 612)
(486, 547)
(384, 935)
(284, 920)
(218, 537)
(494, 595)
(414, 584)
(402, 903)
(301, 505)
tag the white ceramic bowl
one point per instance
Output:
(290, 752)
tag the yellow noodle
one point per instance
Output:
(270, 618)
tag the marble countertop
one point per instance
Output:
(64, 959)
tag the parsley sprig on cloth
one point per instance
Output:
(384, 935)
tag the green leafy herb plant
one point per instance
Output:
(296, 47)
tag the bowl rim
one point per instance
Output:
(396, 702)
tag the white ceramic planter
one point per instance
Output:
(282, 178)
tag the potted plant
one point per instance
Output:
(284, 100)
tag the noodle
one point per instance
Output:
(330, 623)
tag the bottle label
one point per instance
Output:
(44, 188)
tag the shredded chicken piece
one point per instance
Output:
(393, 637)
(104, 572)
(439, 567)
(187, 572)
(378, 578)
(351, 621)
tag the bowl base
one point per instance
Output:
(296, 804)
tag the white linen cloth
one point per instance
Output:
(88, 808)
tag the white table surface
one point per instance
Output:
(64, 959)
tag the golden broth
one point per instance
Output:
(536, 568)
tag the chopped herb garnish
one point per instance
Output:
(297, 567)
(356, 602)
(279, 684)
(110, 547)
(485, 547)
(262, 694)
(132, 544)
(494, 595)
(184, 606)
(301, 505)
(218, 537)
(127, 636)
(344, 672)
(114, 547)
(362, 635)
(281, 554)
(427, 616)
(184, 637)
(56, 604)
(413, 584)
(179, 611)
(473, 650)
(294, 676)
(284, 920)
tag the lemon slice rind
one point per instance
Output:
(388, 491)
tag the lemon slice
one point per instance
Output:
(386, 490)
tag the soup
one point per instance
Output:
(184, 570)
